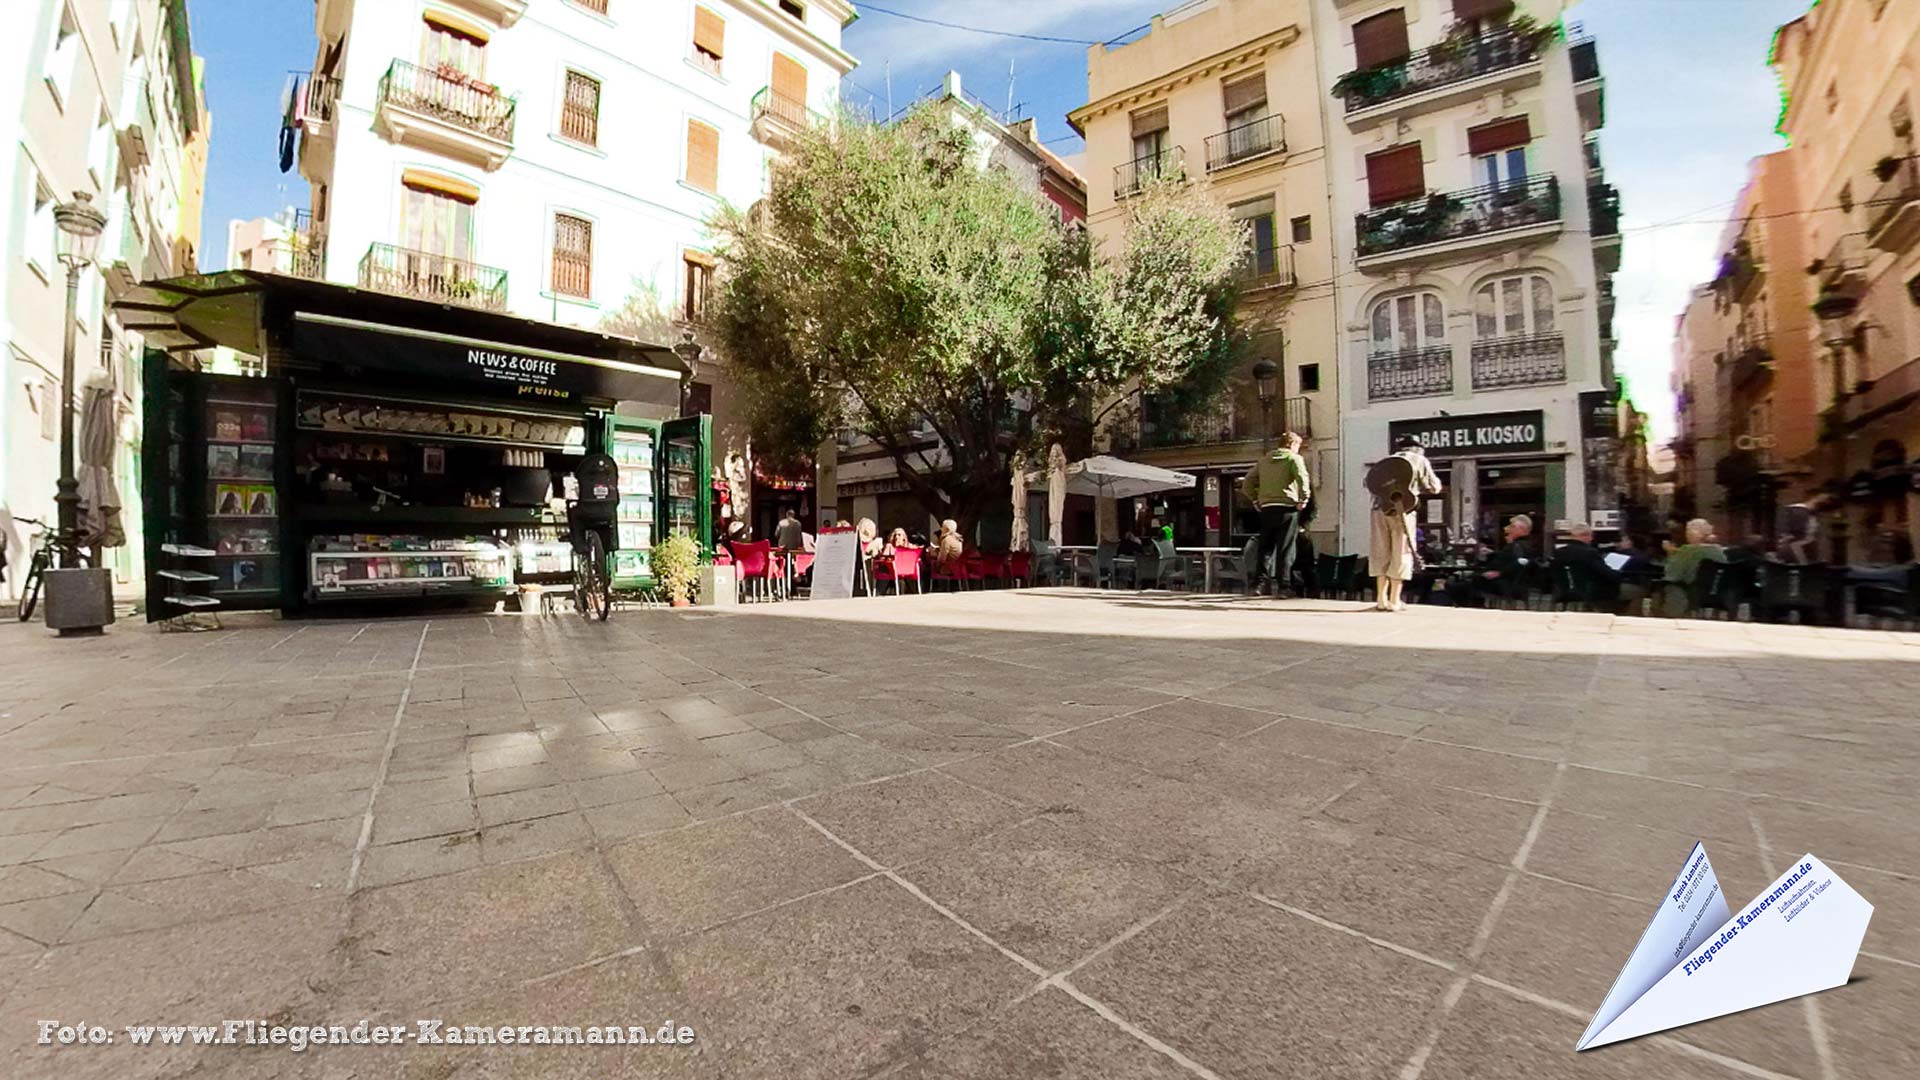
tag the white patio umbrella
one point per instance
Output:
(1019, 503)
(1106, 477)
(1056, 494)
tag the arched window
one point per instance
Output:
(1515, 306)
(1409, 322)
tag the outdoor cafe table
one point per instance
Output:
(1206, 555)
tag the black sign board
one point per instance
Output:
(527, 374)
(1482, 433)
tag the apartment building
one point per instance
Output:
(857, 478)
(552, 158)
(1745, 376)
(104, 98)
(1226, 94)
(1477, 238)
(1848, 69)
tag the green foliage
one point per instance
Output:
(675, 563)
(889, 283)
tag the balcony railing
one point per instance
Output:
(1603, 210)
(450, 97)
(303, 254)
(1439, 65)
(1130, 176)
(1410, 373)
(1520, 360)
(1892, 204)
(1458, 215)
(1268, 267)
(1586, 61)
(771, 105)
(1752, 360)
(1267, 135)
(322, 91)
(1224, 422)
(1298, 417)
(431, 276)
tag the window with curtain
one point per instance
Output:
(1520, 305)
(453, 52)
(436, 221)
(1263, 250)
(1245, 103)
(1499, 151)
(1149, 137)
(580, 109)
(572, 255)
(1409, 322)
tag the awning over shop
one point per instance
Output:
(318, 323)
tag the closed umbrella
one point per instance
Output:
(1019, 503)
(99, 523)
(1056, 494)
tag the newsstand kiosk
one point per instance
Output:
(389, 449)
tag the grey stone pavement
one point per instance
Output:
(1002, 835)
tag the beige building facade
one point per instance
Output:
(1225, 93)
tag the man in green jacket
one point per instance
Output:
(1279, 486)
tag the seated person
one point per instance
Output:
(949, 549)
(1129, 545)
(869, 533)
(895, 540)
(1500, 573)
(1683, 565)
(1608, 581)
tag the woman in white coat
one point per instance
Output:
(1397, 483)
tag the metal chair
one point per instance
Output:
(1241, 569)
(1160, 564)
(1096, 566)
(1804, 590)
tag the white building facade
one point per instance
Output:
(102, 98)
(1477, 241)
(550, 158)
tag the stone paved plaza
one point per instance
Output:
(1001, 835)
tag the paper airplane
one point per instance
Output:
(1695, 961)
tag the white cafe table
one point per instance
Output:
(1206, 555)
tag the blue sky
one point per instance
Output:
(1689, 100)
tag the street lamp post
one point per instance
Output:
(1266, 377)
(689, 351)
(80, 226)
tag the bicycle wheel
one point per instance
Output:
(30, 588)
(593, 589)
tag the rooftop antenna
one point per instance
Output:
(1009, 113)
(889, 89)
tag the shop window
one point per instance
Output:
(1408, 322)
(709, 40)
(1514, 306)
(1302, 229)
(1309, 378)
(703, 156)
(63, 55)
(698, 278)
(453, 49)
(580, 109)
(572, 255)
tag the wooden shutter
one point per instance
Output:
(789, 79)
(1148, 121)
(1396, 174)
(703, 156)
(709, 32)
(580, 109)
(1502, 134)
(1481, 9)
(572, 255)
(1244, 93)
(1381, 39)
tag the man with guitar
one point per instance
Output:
(1397, 482)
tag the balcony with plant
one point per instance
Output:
(1465, 54)
(446, 110)
(1458, 219)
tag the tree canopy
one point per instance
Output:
(889, 285)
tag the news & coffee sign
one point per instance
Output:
(1484, 433)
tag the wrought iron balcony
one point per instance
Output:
(1268, 267)
(1519, 360)
(1410, 373)
(447, 96)
(431, 276)
(1436, 66)
(1893, 213)
(1603, 210)
(1458, 215)
(1224, 422)
(1267, 135)
(323, 93)
(1752, 361)
(1130, 176)
(769, 104)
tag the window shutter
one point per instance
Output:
(1481, 9)
(1149, 121)
(1381, 39)
(789, 79)
(1245, 93)
(1504, 134)
(703, 156)
(572, 255)
(1396, 174)
(709, 32)
(580, 109)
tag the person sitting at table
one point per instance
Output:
(1683, 566)
(869, 534)
(1591, 563)
(949, 548)
(789, 533)
(895, 540)
(1129, 545)
(1499, 575)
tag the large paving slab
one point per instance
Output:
(1050, 833)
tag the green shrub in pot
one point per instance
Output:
(676, 569)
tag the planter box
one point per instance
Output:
(716, 587)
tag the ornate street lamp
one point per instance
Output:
(688, 350)
(78, 601)
(1266, 379)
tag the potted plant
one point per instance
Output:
(676, 569)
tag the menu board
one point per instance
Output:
(836, 554)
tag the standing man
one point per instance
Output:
(1397, 482)
(1278, 485)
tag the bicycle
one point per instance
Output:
(592, 580)
(46, 554)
